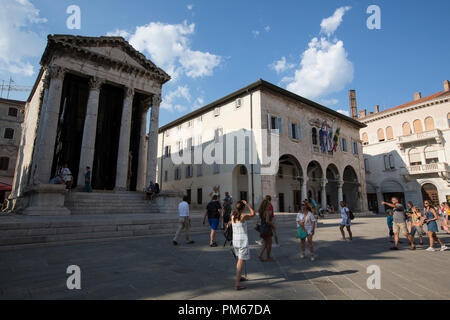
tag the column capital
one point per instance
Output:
(340, 183)
(156, 100)
(323, 183)
(129, 92)
(95, 83)
(57, 72)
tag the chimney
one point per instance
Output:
(417, 96)
(353, 108)
(362, 113)
(446, 85)
(377, 108)
(370, 113)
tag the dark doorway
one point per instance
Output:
(135, 141)
(372, 202)
(107, 139)
(297, 200)
(430, 193)
(69, 134)
(189, 195)
(281, 202)
(199, 196)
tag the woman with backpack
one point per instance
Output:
(346, 221)
(306, 225)
(240, 238)
(266, 229)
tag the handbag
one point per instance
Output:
(301, 234)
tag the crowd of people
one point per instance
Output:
(411, 221)
(222, 216)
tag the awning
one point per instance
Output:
(5, 187)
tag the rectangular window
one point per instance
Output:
(189, 144)
(295, 131)
(177, 174)
(355, 147)
(189, 171)
(344, 145)
(166, 175)
(9, 133)
(275, 123)
(167, 152)
(180, 147)
(12, 112)
(432, 160)
(199, 196)
(4, 163)
(199, 170)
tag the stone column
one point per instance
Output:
(323, 185)
(49, 125)
(142, 154)
(304, 191)
(152, 155)
(340, 191)
(90, 129)
(124, 141)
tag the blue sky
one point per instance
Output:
(215, 47)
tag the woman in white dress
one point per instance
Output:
(307, 222)
(240, 238)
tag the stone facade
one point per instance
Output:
(406, 151)
(88, 108)
(11, 118)
(303, 169)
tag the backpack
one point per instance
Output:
(352, 216)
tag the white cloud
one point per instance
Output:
(329, 102)
(267, 28)
(324, 67)
(344, 112)
(330, 24)
(281, 65)
(169, 47)
(181, 93)
(198, 103)
(255, 33)
(190, 7)
(17, 41)
(119, 33)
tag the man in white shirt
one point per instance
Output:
(183, 221)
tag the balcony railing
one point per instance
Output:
(420, 136)
(429, 168)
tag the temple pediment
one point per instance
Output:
(115, 51)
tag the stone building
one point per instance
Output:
(89, 107)
(11, 118)
(262, 112)
(407, 152)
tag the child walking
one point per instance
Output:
(390, 223)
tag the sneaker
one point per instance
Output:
(259, 242)
(174, 243)
(443, 248)
(302, 256)
(312, 258)
(430, 249)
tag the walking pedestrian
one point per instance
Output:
(240, 238)
(306, 223)
(390, 220)
(184, 221)
(346, 221)
(431, 217)
(409, 212)
(227, 208)
(445, 214)
(416, 222)
(266, 230)
(214, 214)
(87, 180)
(399, 223)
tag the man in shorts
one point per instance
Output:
(214, 214)
(399, 223)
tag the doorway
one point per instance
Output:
(281, 202)
(109, 121)
(430, 193)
